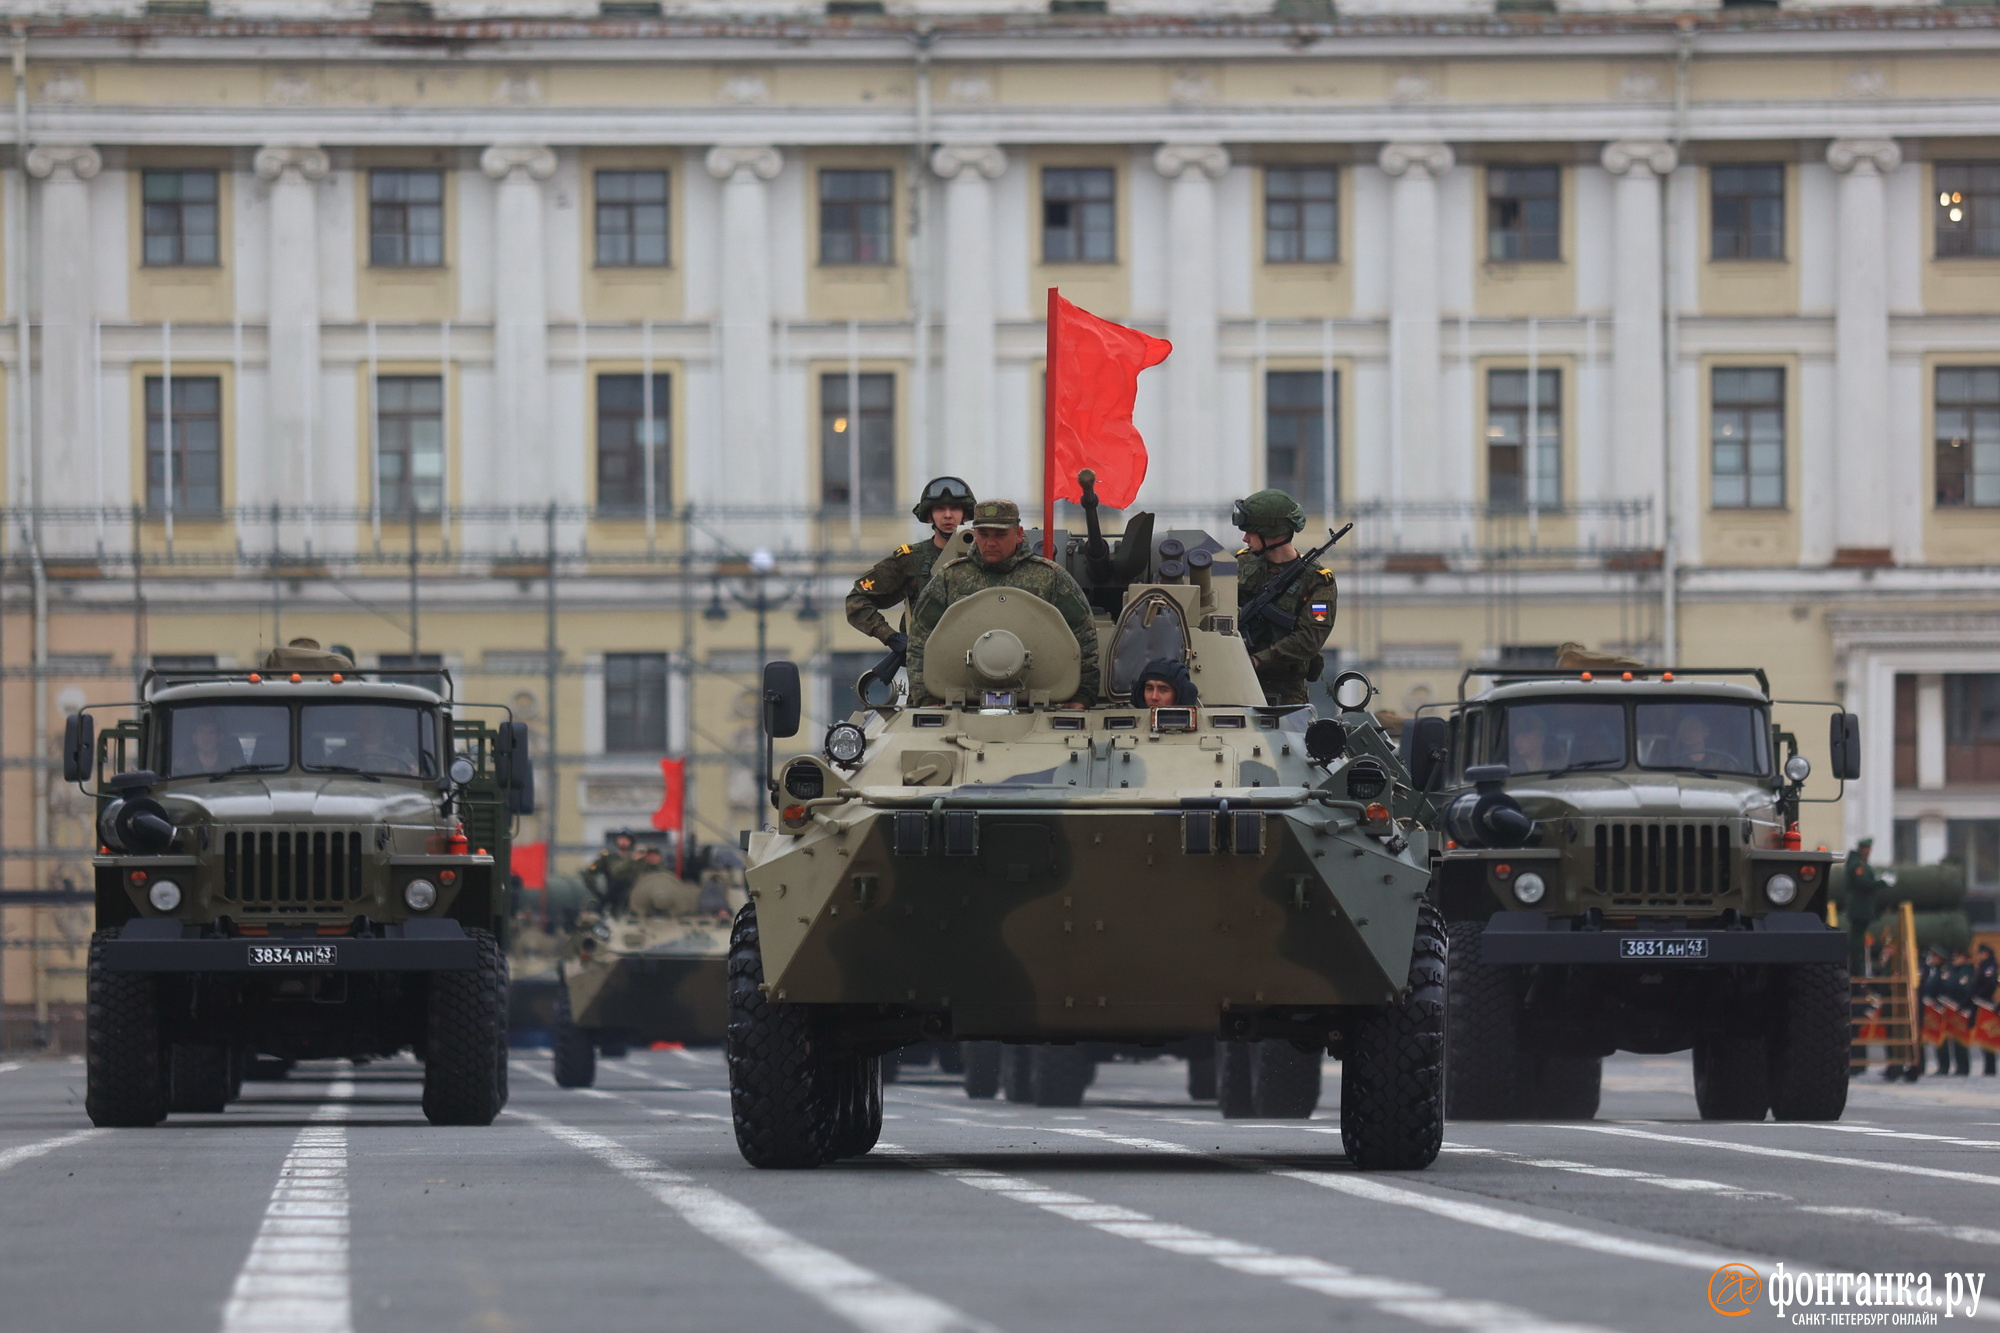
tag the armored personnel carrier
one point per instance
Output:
(302, 862)
(1000, 867)
(1622, 871)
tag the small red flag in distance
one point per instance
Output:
(673, 782)
(1096, 379)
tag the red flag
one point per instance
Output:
(1093, 378)
(530, 863)
(673, 774)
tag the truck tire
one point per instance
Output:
(571, 1049)
(1060, 1074)
(1201, 1069)
(1810, 1043)
(950, 1057)
(1732, 1078)
(124, 1076)
(1563, 1087)
(465, 1040)
(1017, 1074)
(1233, 1080)
(857, 1122)
(1392, 1075)
(1284, 1081)
(1482, 1031)
(197, 1078)
(779, 1086)
(982, 1069)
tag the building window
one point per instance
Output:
(409, 444)
(405, 218)
(181, 219)
(1972, 729)
(631, 219)
(1746, 212)
(1079, 215)
(866, 438)
(187, 479)
(1968, 209)
(623, 442)
(855, 208)
(1967, 448)
(1523, 213)
(1514, 474)
(1747, 438)
(1301, 215)
(635, 703)
(1300, 436)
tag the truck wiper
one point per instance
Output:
(1587, 763)
(342, 768)
(244, 768)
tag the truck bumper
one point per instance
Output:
(1520, 938)
(414, 946)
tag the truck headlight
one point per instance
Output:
(1798, 768)
(165, 895)
(845, 744)
(420, 894)
(1781, 889)
(1529, 887)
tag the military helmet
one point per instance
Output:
(943, 491)
(1271, 514)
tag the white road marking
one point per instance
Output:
(1685, 1184)
(859, 1295)
(15, 1156)
(1875, 1132)
(295, 1279)
(1880, 1217)
(534, 1071)
(1789, 1154)
(9, 1067)
(1410, 1300)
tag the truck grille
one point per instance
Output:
(292, 868)
(1655, 864)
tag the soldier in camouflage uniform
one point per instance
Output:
(900, 575)
(1001, 559)
(1285, 661)
(614, 872)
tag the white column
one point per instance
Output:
(1201, 461)
(1637, 465)
(66, 422)
(1863, 508)
(744, 301)
(1414, 368)
(291, 393)
(969, 170)
(521, 324)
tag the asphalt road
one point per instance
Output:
(326, 1203)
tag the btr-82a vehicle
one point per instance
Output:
(302, 862)
(998, 867)
(1622, 870)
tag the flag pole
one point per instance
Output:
(1049, 438)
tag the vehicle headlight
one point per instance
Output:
(420, 894)
(165, 895)
(805, 780)
(1529, 887)
(602, 930)
(845, 743)
(1798, 768)
(1781, 889)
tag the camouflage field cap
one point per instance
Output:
(1002, 514)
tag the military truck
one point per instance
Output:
(1621, 870)
(1000, 867)
(302, 862)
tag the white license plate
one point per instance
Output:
(1650, 948)
(294, 955)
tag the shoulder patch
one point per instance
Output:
(905, 550)
(1325, 573)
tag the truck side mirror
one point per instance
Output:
(79, 747)
(782, 704)
(1844, 746)
(1427, 744)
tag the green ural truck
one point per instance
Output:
(297, 863)
(1620, 870)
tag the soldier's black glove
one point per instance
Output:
(899, 644)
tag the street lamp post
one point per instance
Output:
(762, 601)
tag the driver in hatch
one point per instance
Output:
(1163, 684)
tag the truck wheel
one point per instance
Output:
(124, 1081)
(1392, 1076)
(950, 1057)
(465, 1035)
(1732, 1078)
(571, 1049)
(197, 1078)
(1201, 1069)
(1809, 1047)
(1563, 1087)
(1060, 1074)
(1233, 1081)
(1482, 1037)
(1017, 1073)
(982, 1068)
(1284, 1081)
(778, 1081)
(857, 1124)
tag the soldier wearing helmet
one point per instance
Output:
(1285, 661)
(899, 576)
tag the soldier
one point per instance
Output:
(1285, 660)
(1000, 559)
(1859, 911)
(1985, 981)
(1164, 683)
(900, 576)
(613, 874)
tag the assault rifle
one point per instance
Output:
(1264, 605)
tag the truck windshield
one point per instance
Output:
(1708, 736)
(228, 738)
(393, 740)
(1556, 737)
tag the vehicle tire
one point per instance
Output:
(1233, 1081)
(465, 1038)
(1732, 1078)
(1482, 1031)
(858, 1120)
(124, 1075)
(780, 1091)
(1017, 1074)
(1392, 1075)
(1284, 1081)
(1563, 1087)
(571, 1049)
(1060, 1074)
(982, 1069)
(950, 1057)
(1810, 1044)
(197, 1078)
(613, 1046)
(1201, 1069)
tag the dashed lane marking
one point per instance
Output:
(295, 1279)
(859, 1295)
(9, 1067)
(1788, 1154)
(664, 1112)
(15, 1156)
(1881, 1217)
(1877, 1132)
(1684, 1184)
